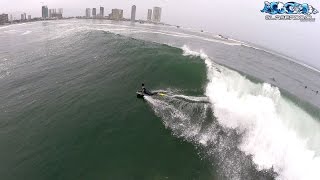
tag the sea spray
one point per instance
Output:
(256, 112)
(193, 122)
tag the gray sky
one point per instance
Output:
(238, 19)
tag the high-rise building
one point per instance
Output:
(45, 12)
(101, 11)
(50, 13)
(149, 15)
(23, 16)
(88, 12)
(94, 12)
(29, 17)
(54, 14)
(11, 18)
(116, 14)
(3, 18)
(59, 14)
(156, 14)
(133, 13)
(60, 11)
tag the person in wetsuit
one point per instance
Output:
(145, 91)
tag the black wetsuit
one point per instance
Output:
(145, 91)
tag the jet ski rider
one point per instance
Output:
(145, 91)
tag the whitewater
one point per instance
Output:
(271, 130)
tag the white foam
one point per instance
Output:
(178, 116)
(188, 52)
(27, 32)
(3, 27)
(11, 31)
(159, 32)
(266, 120)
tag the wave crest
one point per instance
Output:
(256, 111)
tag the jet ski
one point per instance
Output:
(141, 94)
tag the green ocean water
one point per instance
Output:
(80, 119)
(68, 105)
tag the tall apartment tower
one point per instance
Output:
(3, 18)
(51, 13)
(45, 12)
(156, 14)
(116, 14)
(149, 17)
(94, 12)
(60, 11)
(88, 12)
(133, 13)
(102, 12)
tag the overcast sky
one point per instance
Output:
(238, 19)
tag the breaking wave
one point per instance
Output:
(244, 126)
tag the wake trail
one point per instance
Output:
(192, 98)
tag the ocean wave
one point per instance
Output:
(266, 121)
(244, 44)
(168, 33)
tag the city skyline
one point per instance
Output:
(75, 12)
(51, 13)
(236, 22)
(118, 14)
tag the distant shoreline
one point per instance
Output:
(243, 43)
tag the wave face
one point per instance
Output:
(244, 126)
(69, 110)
